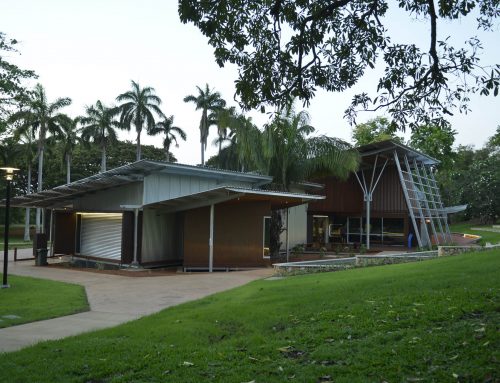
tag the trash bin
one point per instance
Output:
(39, 242)
(41, 257)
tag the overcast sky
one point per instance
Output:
(90, 50)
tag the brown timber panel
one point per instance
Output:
(238, 235)
(388, 196)
(347, 197)
(341, 196)
(64, 232)
(196, 232)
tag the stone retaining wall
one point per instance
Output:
(371, 260)
(444, 251)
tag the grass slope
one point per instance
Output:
(430, 321)
(34, 299)
(487, 236)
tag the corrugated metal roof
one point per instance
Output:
(60, 196)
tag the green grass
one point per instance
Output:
(487, 236)
(33, 299)
(432, 321)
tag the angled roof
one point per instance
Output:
(227, 193)
(136, 171)
(389, 146)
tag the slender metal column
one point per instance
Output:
(6, 237)
(287, 236)
(211, 241)
(51, 233)
(368, 200)
(368, 195)
(136, 224)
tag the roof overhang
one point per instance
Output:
(388, 148)
(278, 200)
(454, 209)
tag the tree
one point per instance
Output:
(435, 141)
(286, 48)
(374, 130)
(69, 138)
(43, 117)
(226, 118)
(27, 139)
(166, 127)
(210, 102)
(290, 155)
(138, 108)
(475, 176)
(494, 140)
(11, 78)
(99, 126)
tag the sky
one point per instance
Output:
(92, 49)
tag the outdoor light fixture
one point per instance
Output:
(9, 175)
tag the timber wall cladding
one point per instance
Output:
(238, 235)
(347, 197)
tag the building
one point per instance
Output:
(393, 200)
(152, 213)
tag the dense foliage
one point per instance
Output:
(374, 130)
(287, 48)
(12, 88)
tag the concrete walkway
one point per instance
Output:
(116, 299)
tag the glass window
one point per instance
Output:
(394, 229)
(320, 227)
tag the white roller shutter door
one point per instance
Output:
(101, 236)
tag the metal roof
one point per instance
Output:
(227, 193)
(389, 146)
(62, 195)
(454, 209)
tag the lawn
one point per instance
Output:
(16, 237)
(432, 321)
(31, 299)
(487, 236)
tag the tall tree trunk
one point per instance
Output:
(167, 153)
(103, 158)
(220, 144)
(27, 216)
(138, 129)
(202, 154)
(68, 168)
(40, 180)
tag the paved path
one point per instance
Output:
(116, 299)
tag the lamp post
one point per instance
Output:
(9, 175)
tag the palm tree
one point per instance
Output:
(44, 117)
(69, 139)
(137, 109)
(27, 138)
(243, 145)
(226, 119)
(290, 155)
(99, 126)
(166, 127)
(210, 103)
